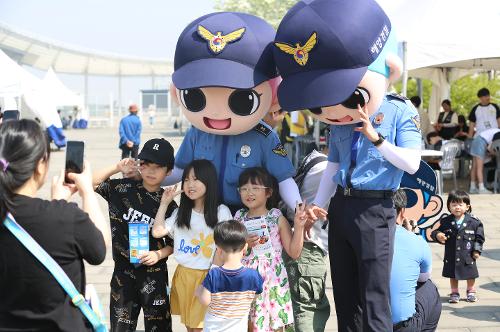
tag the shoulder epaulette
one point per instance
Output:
(398, 96)
(262, 129)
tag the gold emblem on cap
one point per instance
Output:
(300, 53)
(217, 42)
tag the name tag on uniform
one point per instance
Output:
(468, 231)
(138, 237)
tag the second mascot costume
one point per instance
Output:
(225, 81)
(337, 58)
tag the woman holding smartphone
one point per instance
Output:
(31, 299)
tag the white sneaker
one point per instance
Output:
(473, 191)
(484, 191)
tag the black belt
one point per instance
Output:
(402, 324)
(351, 192)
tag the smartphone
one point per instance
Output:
(10, 115)
(74, 159)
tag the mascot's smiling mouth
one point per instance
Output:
(217, 124)
(346, 118)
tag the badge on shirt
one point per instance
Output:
(468, 246)
(280, 150)
(379, 117)
(416, 121)
(245, 151)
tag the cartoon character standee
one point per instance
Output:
(225, 81)
(423, 203)
(337, 58)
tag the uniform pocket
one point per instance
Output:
(311, 282)
(204, 152)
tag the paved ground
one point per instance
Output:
(101, 150)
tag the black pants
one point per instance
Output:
(361, 244)
(428, 310)
(133, 289)
(129, 152)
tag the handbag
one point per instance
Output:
(95, 318)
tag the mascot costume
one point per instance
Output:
(424, 205)
(225, 81)
(337, 58)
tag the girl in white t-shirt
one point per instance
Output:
(191, 226)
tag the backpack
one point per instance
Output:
(304, 167)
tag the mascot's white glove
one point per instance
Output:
(405, 159)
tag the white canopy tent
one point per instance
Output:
(33, 99)
(61, 95)
(444, 40)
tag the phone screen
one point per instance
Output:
(10, 115)
(74, 158)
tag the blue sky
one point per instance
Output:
(147, 28)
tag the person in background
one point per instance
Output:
(463, 237)
(31, 298)
(151, 115)
(483, 116)
(230, 289)
(307, 274)
(130, 133)
(463, 129)
(415, 301)
(425, 123)
(275, 118)
(447, 125)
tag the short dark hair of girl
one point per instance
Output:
(260, 176)
(458, 196)
(230, 236)
(23, 144)
(204, 171)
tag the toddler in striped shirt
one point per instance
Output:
(230, 289)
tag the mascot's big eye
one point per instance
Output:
(244, 102)
(193, 99)
(360, 97)
(316, 110)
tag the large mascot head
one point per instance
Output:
(334, 55)
(225, 75)
(423, 201)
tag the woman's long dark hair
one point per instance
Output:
(204, 171)
(260, 176)
(22, 145)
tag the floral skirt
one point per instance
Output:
(272, 308)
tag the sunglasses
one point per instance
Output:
(241, 101)
(360, 97)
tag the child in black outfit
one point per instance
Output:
(463, 237)
(137, 201)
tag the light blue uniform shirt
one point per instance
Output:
(412, 256)
(231, 155)
(398, 122)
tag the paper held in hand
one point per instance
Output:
(258, 226)
(138, 235)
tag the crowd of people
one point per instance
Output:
(483, 128)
